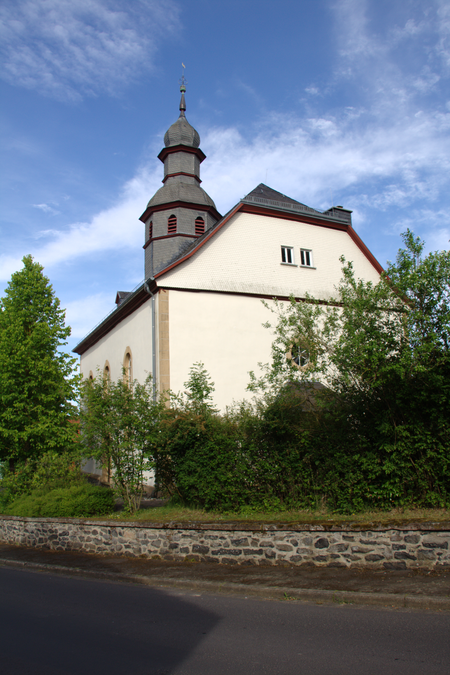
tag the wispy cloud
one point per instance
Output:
(68, 49)
(314, 160)
(379, 155)
(46, 209)
(115, 228)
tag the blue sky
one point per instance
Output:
(330, 102)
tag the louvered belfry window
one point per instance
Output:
(199, 226)
(150, 230)
(172, 225)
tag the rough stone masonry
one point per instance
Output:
(417, 545)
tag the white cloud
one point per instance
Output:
(46, 209)
(115, 228)
(70, 48)
(314, 160)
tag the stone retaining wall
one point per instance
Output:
(417, 545)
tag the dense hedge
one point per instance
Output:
(77, 501)
(291, 455)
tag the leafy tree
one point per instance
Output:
(383, 350)
(38, 383)
(119, 423)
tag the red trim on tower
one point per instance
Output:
(181, 173)
(185, 205)
(181, 148)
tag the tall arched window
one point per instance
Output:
(172, 224)
(127, 367)
(106, 372)
(199, 226)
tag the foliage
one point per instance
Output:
(233, 462)
(119, 423)
(48, 472)
(383, 351)
(37, 380)
(76, 501)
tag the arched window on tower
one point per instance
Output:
(199, 226)
(172, 224)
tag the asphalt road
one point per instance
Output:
(55, 625)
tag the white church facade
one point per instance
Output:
(206, 275)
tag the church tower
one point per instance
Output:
(180, 211)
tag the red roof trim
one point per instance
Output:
(287, 215)
(258, 210)
(363, 248)
(117, 316)
(191, 253)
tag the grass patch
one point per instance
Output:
(175, 513)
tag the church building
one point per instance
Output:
(206, 275)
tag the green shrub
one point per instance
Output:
(77, 501)
(48, 472)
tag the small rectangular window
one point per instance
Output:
(287, 255)
(306, 258)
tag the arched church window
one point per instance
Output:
(107, 372)
(199, 226)
(127, 363)
(172, 224)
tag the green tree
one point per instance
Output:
(38, 383)
(119, 424)
(383, 350)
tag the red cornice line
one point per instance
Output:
(185, 205)
(181, 148)
(263, 296)
(298, 217)
(181, 173)
(258, 210)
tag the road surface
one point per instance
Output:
(56, 625)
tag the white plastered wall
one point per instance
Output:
(135, 332)
(222, 331)
(245, 256)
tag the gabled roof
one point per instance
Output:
(263, 201)
(262, 194)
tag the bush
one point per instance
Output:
(77, 501)
(48, 472)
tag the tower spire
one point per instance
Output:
(183, 83)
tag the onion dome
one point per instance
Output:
(181, 132)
